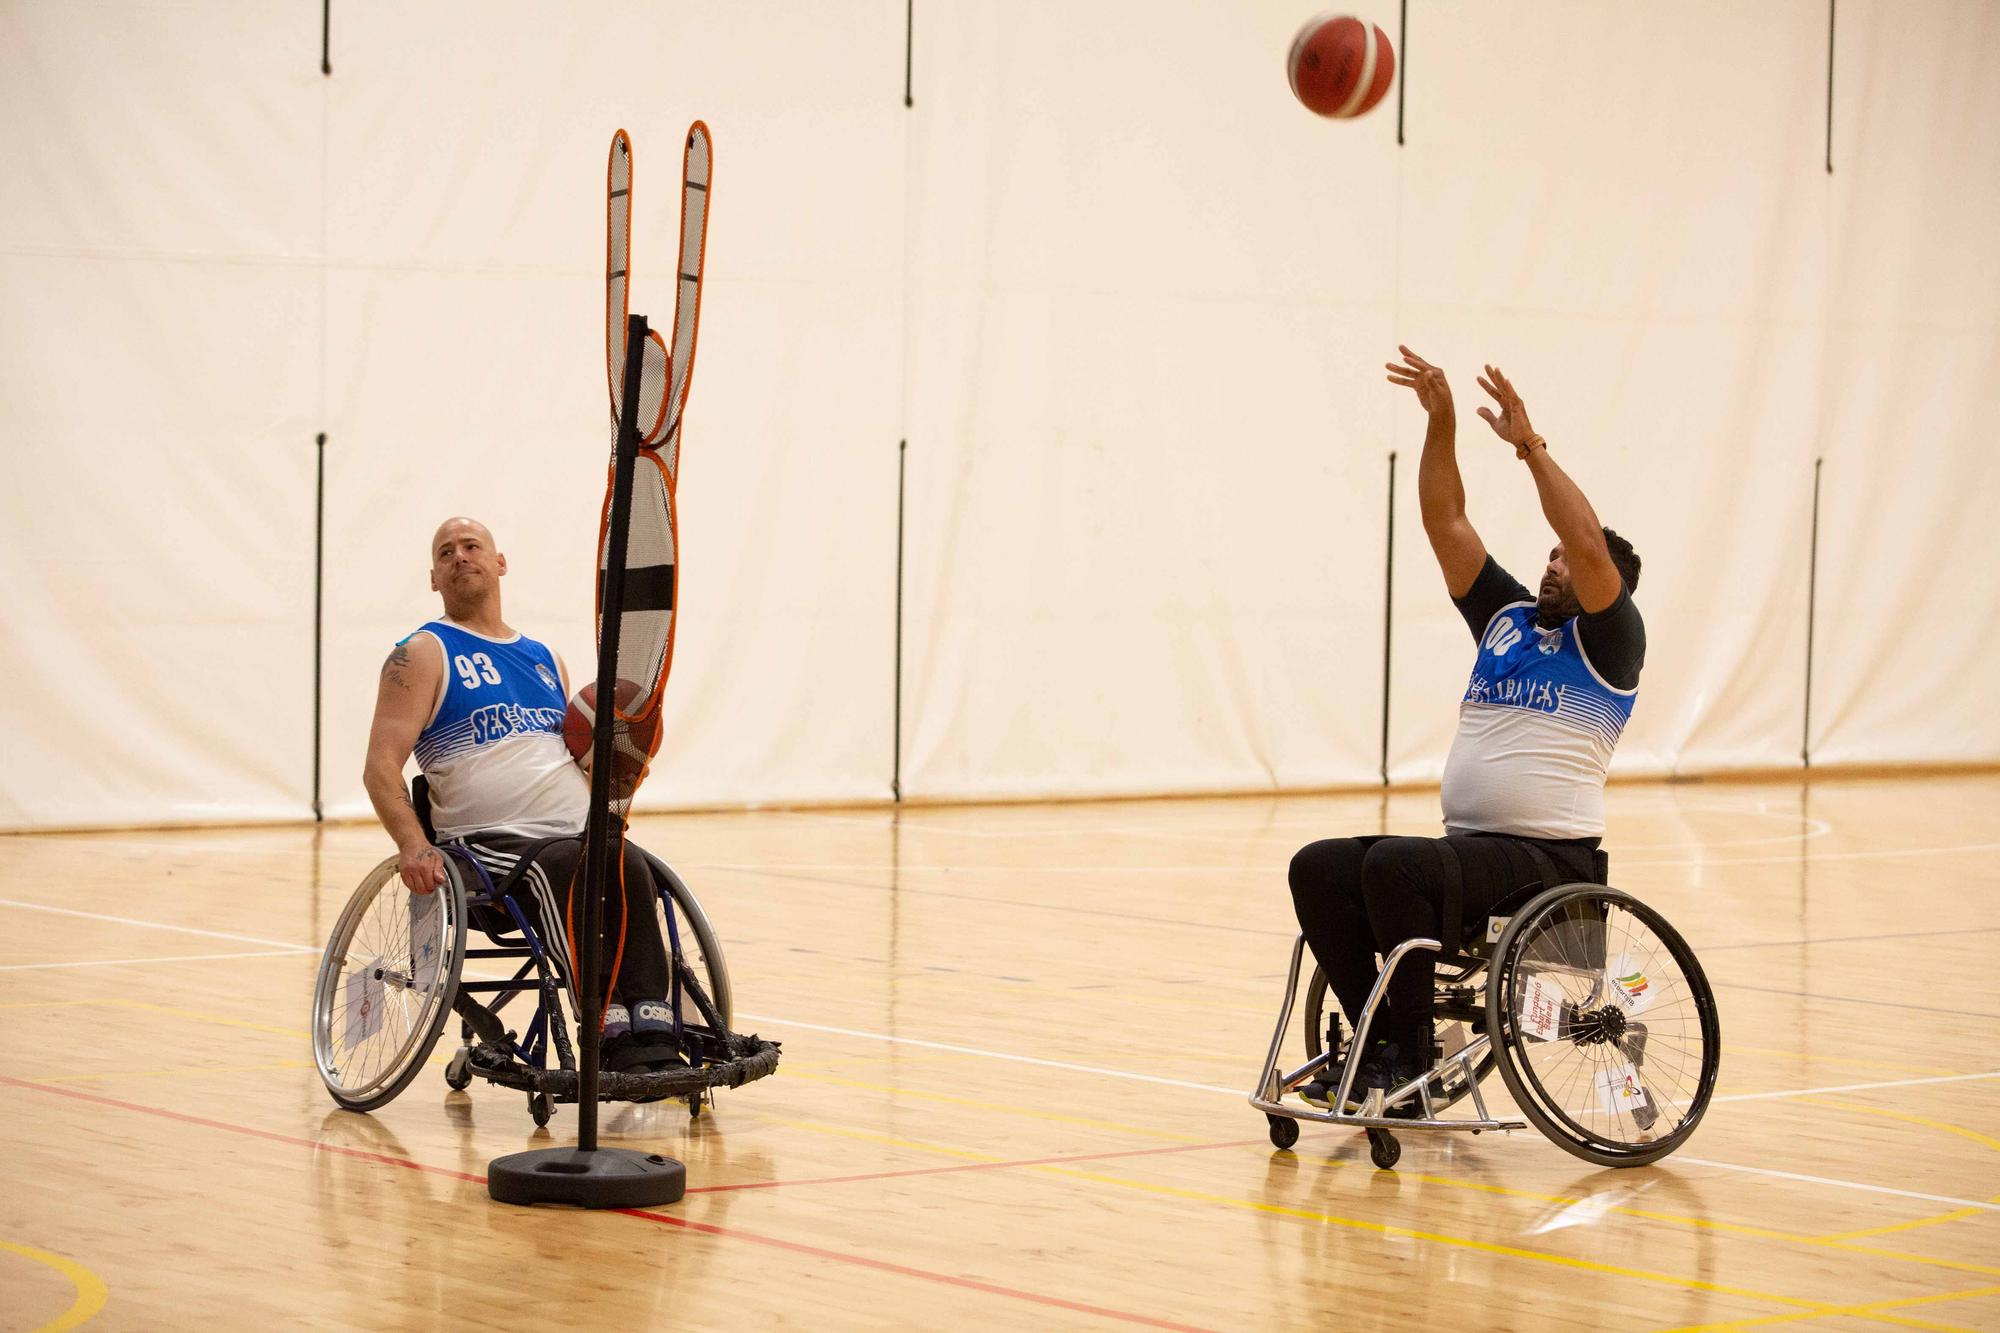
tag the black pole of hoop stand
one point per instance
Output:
(588, 1176)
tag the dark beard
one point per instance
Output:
(1553, 608)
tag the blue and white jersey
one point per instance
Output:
(1535, 733)
(493, 749)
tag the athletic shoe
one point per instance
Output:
(1320, 1089)
(1384, 1069)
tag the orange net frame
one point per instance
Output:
(652, 547)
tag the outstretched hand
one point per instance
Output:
(1511, 424)
(1433, 393)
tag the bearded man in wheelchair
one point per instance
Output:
(481, 706)
(1554, 679)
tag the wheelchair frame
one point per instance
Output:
(716, 1055)
(1526, 906)
(1267, 1096)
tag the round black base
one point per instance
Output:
(605, 1178)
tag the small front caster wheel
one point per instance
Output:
(458, 1074)
(1284, 1131)
(1383, 1150)
(540, 1108)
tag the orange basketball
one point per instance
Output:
(633, 744)
(1341, 67)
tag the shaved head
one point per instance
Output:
(451, 527)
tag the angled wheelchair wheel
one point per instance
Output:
(386, 985)
(700, 949)
(1457, 1026)
(1604, 1024)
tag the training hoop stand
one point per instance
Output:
(589, 1176)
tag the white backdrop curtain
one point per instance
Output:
(1124, 299)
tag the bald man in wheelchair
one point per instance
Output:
(481, 706)
(1554, 679)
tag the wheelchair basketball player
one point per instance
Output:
(482, 707)
(1553, 682)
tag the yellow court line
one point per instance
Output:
(1762, 1233)
(1435, 1237)
(1872, 1310)
(90, 1290)
(1956, 1215)
(1707, 1224)
(1983, 1140)
(982, 1103)
(1464, 1242)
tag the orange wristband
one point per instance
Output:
(1529, 445)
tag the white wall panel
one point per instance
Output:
(1144, 517)
(1909, 624)
(467, 365)
(1646, 264)
(1128, 304)
(158, 370)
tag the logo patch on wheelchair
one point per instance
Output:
(1619, 1090)
(1541, 1009)
(1629, 984)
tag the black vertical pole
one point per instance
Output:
(319, 617)
(1812, 598)
(1829, 86)
(326, 36)
(1388, 612)
(896, 764)
(1402, 66)
(909, 45)
(597, 836)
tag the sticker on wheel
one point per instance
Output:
(1620, 1091)
(1540, 1012)
(426, 911)
(364, 991)
(1629, 984)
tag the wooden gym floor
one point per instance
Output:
(1017, 1043)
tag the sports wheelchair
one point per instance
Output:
(1593, 1008)
(393, 973)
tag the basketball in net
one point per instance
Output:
(633, 744)
(1341, 67)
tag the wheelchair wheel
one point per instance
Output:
(386, 985)
(699, 947)
(1456, 1028)
(1604, 1023)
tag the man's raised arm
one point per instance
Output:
(1440, 491)
(1591, 572)
(410, 679)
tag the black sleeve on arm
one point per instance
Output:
(1493, 589)
(1614, 641)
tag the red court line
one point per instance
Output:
(972, 1166)
(706, 1228)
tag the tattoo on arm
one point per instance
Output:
(392, 669)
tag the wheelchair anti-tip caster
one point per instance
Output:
(458, 1074)
(1284, 1131)
(1383, 1150)
(540, 1108)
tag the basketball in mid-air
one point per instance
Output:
(1340, 66)
(633, 744)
